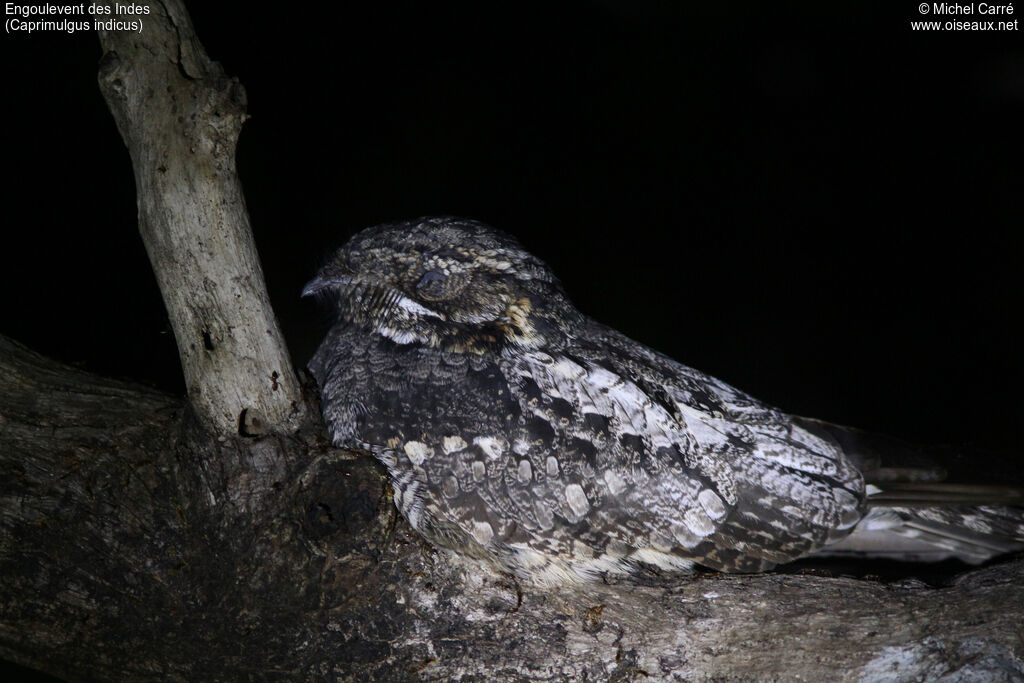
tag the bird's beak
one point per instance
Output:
(323, 281)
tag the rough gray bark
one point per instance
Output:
(180, 117)
(135, 547)
(142, 538)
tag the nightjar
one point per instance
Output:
(516, 429)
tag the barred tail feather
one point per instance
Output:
(971, 534)
(928, 504)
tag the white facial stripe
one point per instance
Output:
(415, 308)
(398, 336)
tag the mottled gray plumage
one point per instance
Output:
(518, 430)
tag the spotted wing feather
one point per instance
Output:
(697, 469)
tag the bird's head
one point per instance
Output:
(447, 283)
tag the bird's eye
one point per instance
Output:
(436, 285)
(431, 277)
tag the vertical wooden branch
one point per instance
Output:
(180, 117)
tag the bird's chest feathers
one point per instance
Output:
(410, 393)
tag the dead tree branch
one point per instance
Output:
(180, 117)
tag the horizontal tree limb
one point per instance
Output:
(133, 547)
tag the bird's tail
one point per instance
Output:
(928, 505)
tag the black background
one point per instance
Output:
(812, 202)
(815, 204)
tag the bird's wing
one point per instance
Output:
(671, 461)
